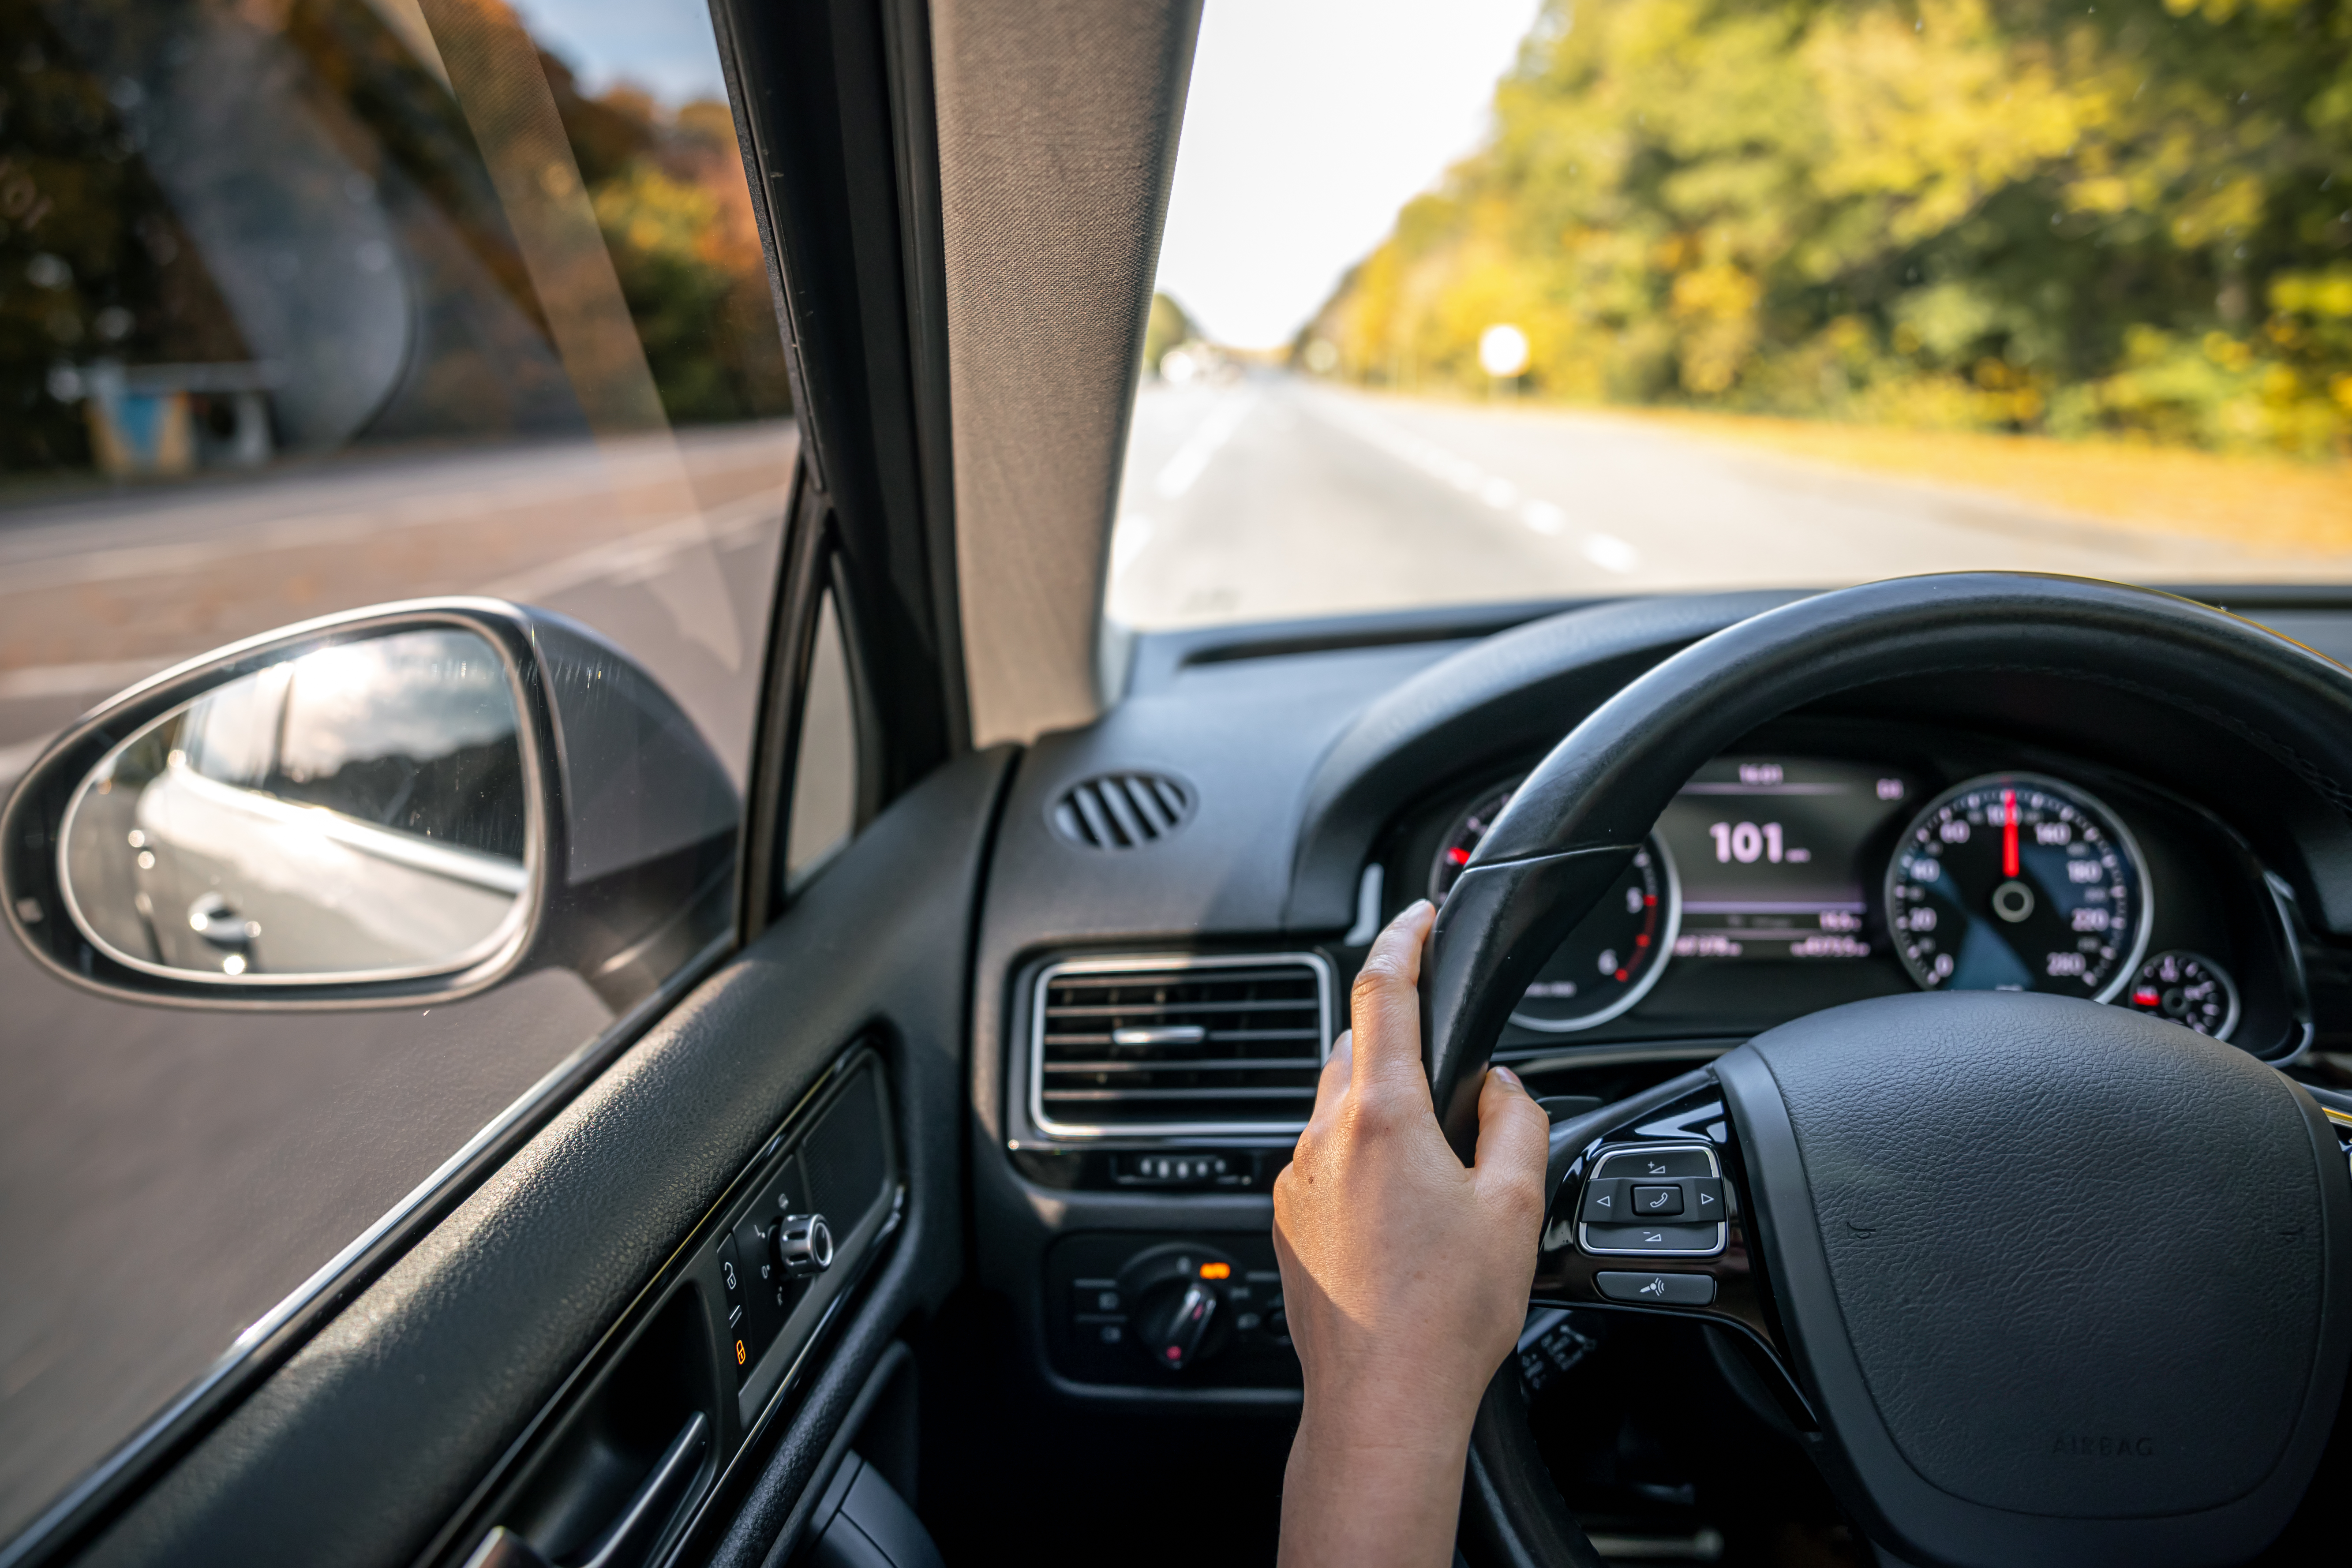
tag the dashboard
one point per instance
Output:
(1780, 882)
(1151, 1009)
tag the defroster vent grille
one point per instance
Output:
(1122, 811)
(1180, 1045)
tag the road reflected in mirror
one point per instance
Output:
(359, 810)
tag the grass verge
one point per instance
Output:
(2258, 502)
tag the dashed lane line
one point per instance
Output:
(1603, 549)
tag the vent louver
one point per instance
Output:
(1180, 1045)
(1122, 811)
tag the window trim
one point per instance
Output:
(835, 115)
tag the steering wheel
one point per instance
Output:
(2041, 1282)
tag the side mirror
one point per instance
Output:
(398, 805)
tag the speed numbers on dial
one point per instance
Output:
(2018, 882)
(1615, 953)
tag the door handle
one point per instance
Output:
(653, 1499)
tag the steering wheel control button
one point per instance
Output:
(1664, 1238)
(803, 1245)
(1679, 1185)
(1644, 1165)
(1657, 1202)
(1657, 1289)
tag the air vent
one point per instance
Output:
(1122, 811)
(1182, 1046)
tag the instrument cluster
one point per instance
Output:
(1777, 884)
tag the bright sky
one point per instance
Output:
(1310, 122)
(663, 45)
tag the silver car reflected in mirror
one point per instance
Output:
(357, 811)
(399, 804)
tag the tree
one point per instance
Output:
(2000, 214)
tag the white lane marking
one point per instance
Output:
(1128, 539)
(1605, 551)
(1178, 474)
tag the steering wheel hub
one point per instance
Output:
(2057, 1276)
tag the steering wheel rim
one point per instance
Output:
(1577, 819)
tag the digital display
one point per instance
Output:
(1769, 854)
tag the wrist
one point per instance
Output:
(1369, 1486)
(1426, 1404)
(1408, 1453)
(1387, 1419)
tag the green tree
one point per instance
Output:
(1998, 214)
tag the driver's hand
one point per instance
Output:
(1405, 1277)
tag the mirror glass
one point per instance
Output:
(359, 810)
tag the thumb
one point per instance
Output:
(1514, 1140)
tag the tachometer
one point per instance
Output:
(1615, 953)
(2187, 988)
(2016, 882)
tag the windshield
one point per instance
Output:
(1627, 295)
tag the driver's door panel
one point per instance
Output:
(373, 1434)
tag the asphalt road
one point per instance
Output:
(1266, 496)
(166, 1177)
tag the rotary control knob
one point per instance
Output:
(1176, 1327)
(803, 1245)
(1178, 1292)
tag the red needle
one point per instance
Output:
(2009, 833)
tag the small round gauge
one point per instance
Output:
(2018, 882)
(1615, 953)
(1461, 839)
(2187, 988)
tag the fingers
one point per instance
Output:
(1513, 1137)
(1337, 1068)
(1386, 1005)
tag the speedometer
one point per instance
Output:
(2018, 882)
(1615, 953)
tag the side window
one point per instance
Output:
(306, 305)
(824, 775)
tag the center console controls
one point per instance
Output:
(1142, 1311)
